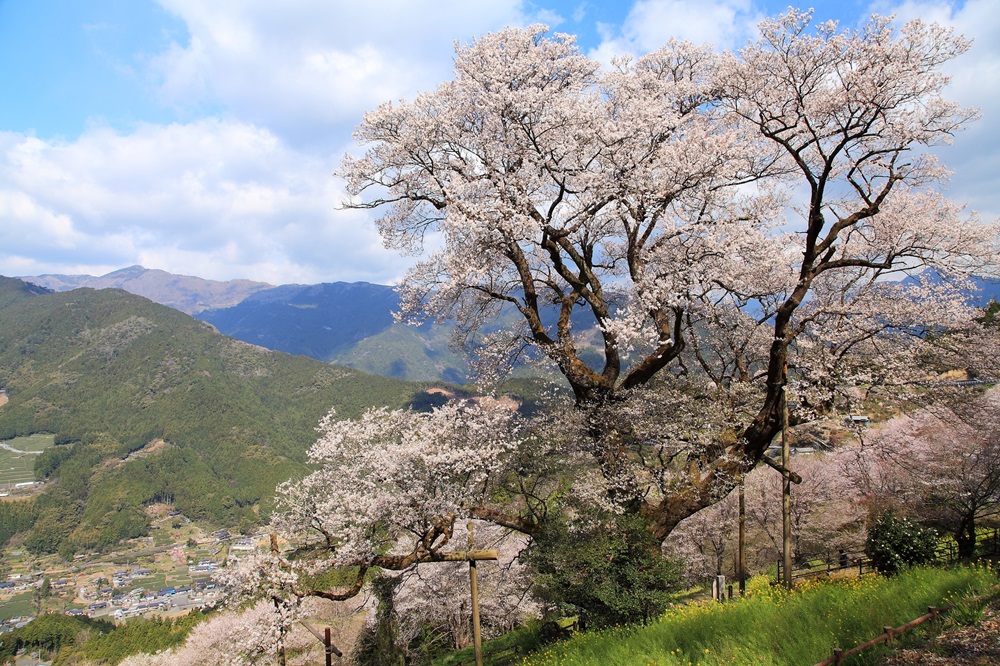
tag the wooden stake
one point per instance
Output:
(326, 639)
(477, 638)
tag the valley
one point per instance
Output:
(166, 574)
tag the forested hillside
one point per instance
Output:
(149, 404)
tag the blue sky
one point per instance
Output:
(200, 137)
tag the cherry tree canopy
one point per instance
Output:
(743, 213)
(940, 464)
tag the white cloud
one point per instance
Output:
(244, 187)
(249, 191)
(219, 199)
(303, 67)
(650, 23)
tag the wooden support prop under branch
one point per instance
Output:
(795, 478)
(467, 556)
(329, 648)
(471, 556)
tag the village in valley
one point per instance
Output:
(167, 574)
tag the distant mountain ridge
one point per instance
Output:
(348, 323)
(984, 290)
(318, 321)
(186, 293)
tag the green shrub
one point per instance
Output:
(608, 571)
(379, 644)
(50, 632)
(896, 543)
(137, 635)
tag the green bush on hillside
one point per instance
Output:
(137, 635)
(51, 633)
(607, 571)
(896, 543)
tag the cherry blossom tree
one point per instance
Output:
(940, 465)
(827, 515)
(251, 637)
(394, 489)
(642, 213)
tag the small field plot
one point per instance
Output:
(20, 605)
(36, 443)
(17, 458)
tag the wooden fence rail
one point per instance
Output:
(890, 633)
(831, 564)
(887, 636)
(987, 545)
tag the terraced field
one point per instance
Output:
(17, 458)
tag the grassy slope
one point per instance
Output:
(771, 627)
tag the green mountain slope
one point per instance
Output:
(149, 404)
(407, 352)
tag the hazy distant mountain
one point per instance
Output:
(314, 320)
(349, 323)
(181, 292)
(151, 405)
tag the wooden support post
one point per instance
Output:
(477, 638)
(838, 656)
(471, 556)
(889, 633)
(326, 639)
(780, 469)
(742, 566)
(786, 491)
